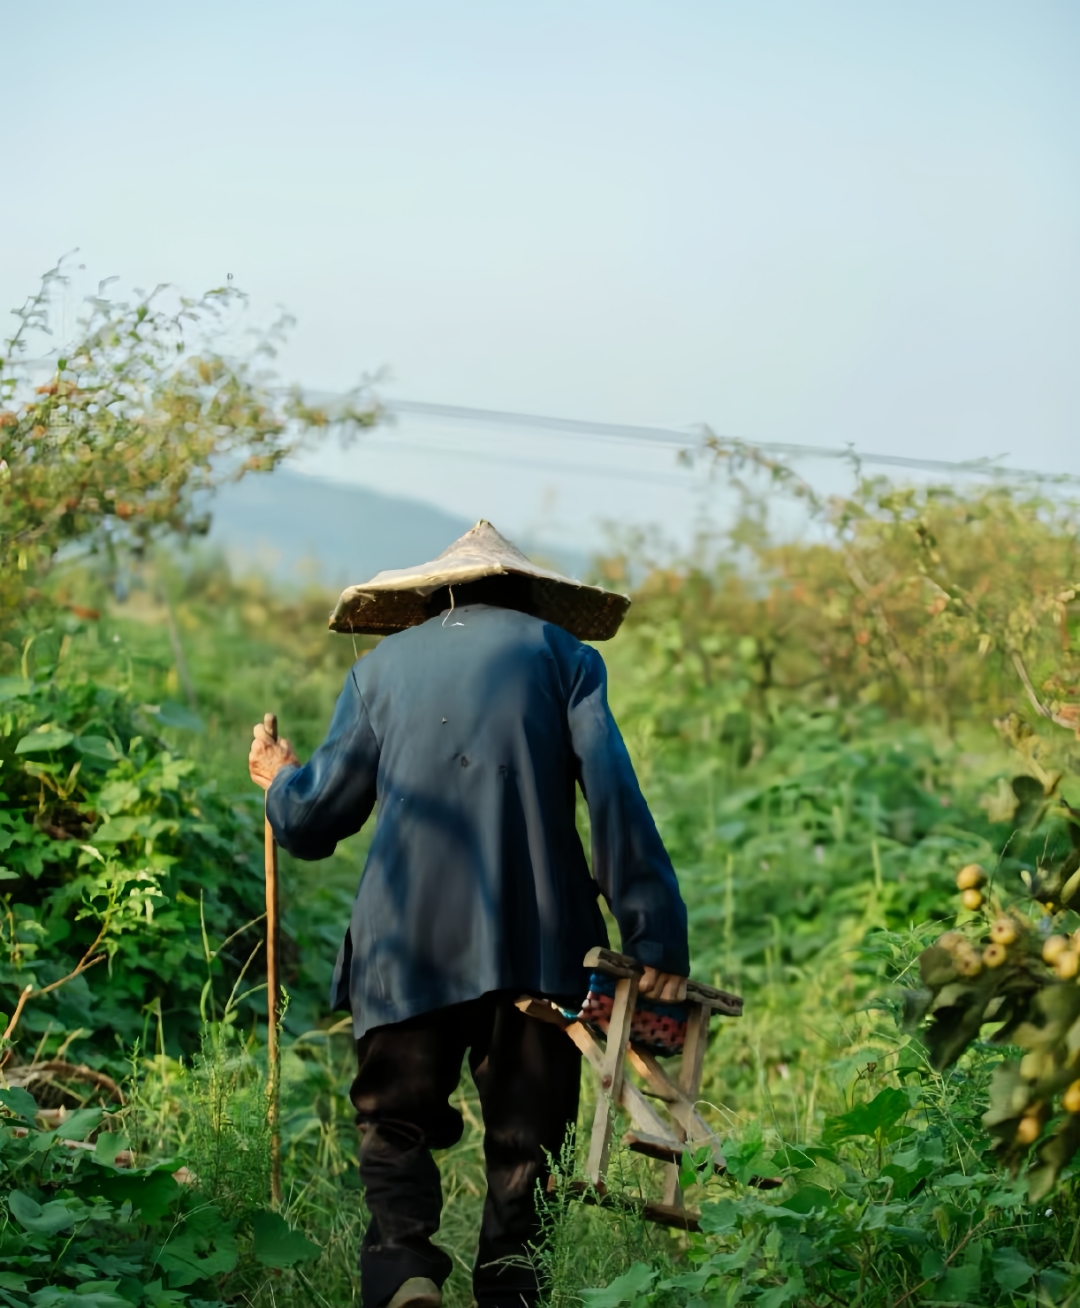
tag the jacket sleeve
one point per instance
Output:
(629, 861)
(311, 808)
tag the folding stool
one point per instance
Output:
(663, 1133)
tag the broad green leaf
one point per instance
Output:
(623, 1289)
(277, 1244)
(117, 830)
(13, 688)
(719, 1218)
(886, 1108)
(959, 1285)
(694, 1281)
(191, 1255)
(779, 1295)
(932, 1264)
(1011, 1269)
(156, 1296)
(808, 1199)
(79, 1124)
(97, 747)
(42, 742)
(905, 1179)
(43, 1219)
(91, 1294)
(108, 1145)
(1054, 1283)
(150, 1195)
(19, 1101)
(117, 796)
(171, 714)
(747, 1159)
(722, 1263)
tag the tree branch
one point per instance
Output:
(864, 587)
(922, 1284)
(88, 960)
(1022, 672)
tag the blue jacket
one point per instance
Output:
(470, 732)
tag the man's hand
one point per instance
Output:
(664, 987)
(268, 757)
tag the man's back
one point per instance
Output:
(470, 731)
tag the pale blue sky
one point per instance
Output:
(818, 221)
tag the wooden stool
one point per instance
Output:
(662, 1134)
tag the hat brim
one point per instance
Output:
(396, 599)
(587, 612)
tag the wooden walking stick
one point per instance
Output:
(273, 990)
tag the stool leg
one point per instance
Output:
(693, 1060)
(611, 1078)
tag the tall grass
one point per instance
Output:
(815, 831)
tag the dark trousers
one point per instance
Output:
(527, 1073)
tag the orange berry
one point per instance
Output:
(1053, 948)
(968, 963)
(1003, 931)
(995, 955)
(1029, 1130)
(1070, 1100)
(1068, 964)
(972, 899)
(970, 877)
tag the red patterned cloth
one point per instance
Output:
(658, 1028)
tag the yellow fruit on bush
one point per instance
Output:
(995, 955)
(951, 941)
(1003, 931)
(1068, 964)
(1070, 1100)
(972, 899)
(970, 877)
(968, 963)
(1029, 1130)
(1053, 948)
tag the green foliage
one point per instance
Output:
(934, 601)
(116, 447)
(86, 1220)
(810, 723)
(1010, 968)
(228, 1140)
(891, 1206)
(118, 859)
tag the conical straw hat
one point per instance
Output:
(394, 600)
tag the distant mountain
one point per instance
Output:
(298, 528)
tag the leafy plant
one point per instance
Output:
(89, 1221)
(117, 861)
(144, 411)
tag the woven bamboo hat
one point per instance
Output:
(394, 600)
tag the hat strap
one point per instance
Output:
(450, 610)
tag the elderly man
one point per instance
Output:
(471, 728)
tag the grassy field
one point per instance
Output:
(816, 829)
